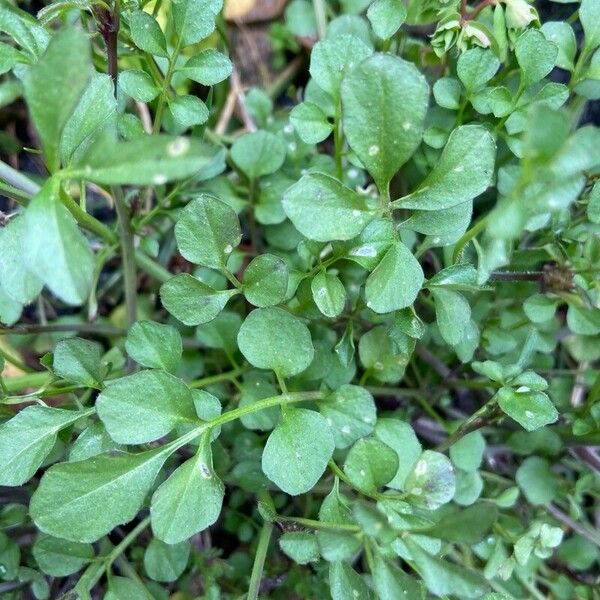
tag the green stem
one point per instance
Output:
(227, 376)
(320, 17)
(166, 83)
(20, 382)
(468, 236)
(18, 180)
(314, 524)
(113, 555)
(128, 256)
(14, 360)
(91, 328)
(259, 561)
(338, 140)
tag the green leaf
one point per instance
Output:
(589, 15)
(258, 153)
(386, 17)
(395, 282)
(537, 481)
(452, 313)
(154, 345)
(476, 67)
(207, 231)
(431, 483)
(467, 453)
(392, 583)
(583, 321)
(323, 209)
(144, 407)
(300, 546)
(54, 249)
(593, 207)
(329, 293)
(208, 67)
(191, 301)
(123, 588)
(146, 160)
(332, 59)
(94, 115)
(15, 279)
(194, 20)
(82, 501)
(350, 412)
(382, 96)
(345, 583)
(468, 526)
(536, 55)
(147, 34)
(221, 332)
(562, 34)
(61, 558)
(382, 355)
(539, 308)
(530, 409)
(138, 84)
(265, 280)
(399, 436)
(188, 111)
(190, 500)
(443, 578)
(310, 122)
(298, 450)
(373, 242)
(271, 338)
(165, 562)
(370, 464)
(93, 440)
(79, 361)
(464, 171)
(446, 92)
(10, 310)
(27, 438)
(54, 85)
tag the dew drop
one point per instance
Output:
(159, 179)
(178, 147)
(373, 150)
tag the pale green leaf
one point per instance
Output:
(589, 15)
(384, 102)
(345, 583)
(310, 122)
(79, 360)
(60, 558)
(464, 171)
(265, 280)
(54, 85)
(54, 248)
(194, 20)
(191, 301)
(370, 464)
(452, 313)
(323, 209)
(144, 407)
(395, 282)
(329, 293)
(165, 562)
(154, 345)
(298, 450)
(138, 84)
(15, 279)
(189, 501)
(147, 34)
(271, 338)
(431, 483)
(258, 153)
(531, 409)
(27, 438)
(208, 67)
(300, 546)
(350, 412)
(82, 501)
(476, 67)
(386, 17)
(536, 55)
(392, 583)
(188, 111)
(207, 231)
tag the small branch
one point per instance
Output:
(91, 328)
(517, 276)
(259, 561)
(591, 534)
(236, 86)
(321, 17)
(128, 255)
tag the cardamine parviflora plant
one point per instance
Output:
(299, 300)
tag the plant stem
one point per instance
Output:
(476, 421)
(227, 376)
(313, 524)
(259, 560)
(115, 553)
(20, 382)
(128, 256)
(18, 180)
(91, 328)
(14, 360)
(165, 89)
(337, 140)
(320, 17)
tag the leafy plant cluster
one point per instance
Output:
(340, 341)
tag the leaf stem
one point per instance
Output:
(166, 83)
(259, 560)
(320, 17)
(227, 376)
(128, 256)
